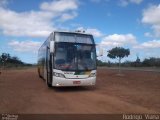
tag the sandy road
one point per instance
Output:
(22, 91)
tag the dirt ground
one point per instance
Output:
(22, 91)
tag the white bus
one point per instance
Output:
(68, 59)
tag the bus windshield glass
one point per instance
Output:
(73, 38)
(74, 56)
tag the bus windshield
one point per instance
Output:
(74, 56)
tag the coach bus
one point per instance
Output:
(68, 59)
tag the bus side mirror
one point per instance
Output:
(52, 47)
(100, 53)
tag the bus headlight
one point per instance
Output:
(92, 75)
(58, 74)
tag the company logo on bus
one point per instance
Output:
(82, 73)
(69, 73)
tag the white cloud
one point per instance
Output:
(25, 24)
(37, 23)
(60, 5)
(3, 2)
(25, 46)
(148, 34)
(98, 1)
(151, 16)
(149, 45)
(67, 16)
(118, 40)
(127, 2)
(93, 31)
(136, 1)
(123, 3)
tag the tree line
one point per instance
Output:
(147, 62)
(6, 60)
(119, 53)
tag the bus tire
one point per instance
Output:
(39, 72)
(48, 83)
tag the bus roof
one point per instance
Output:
(76, 32)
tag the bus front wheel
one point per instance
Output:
(48, 80)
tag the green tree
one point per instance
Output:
(137, 62)
(3, 58)
(118, 53)
(7, 60)
(151, 62)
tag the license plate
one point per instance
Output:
(76, 82)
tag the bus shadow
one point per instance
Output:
(74, 89)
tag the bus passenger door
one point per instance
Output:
(48, 68)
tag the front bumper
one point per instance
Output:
(58, 81)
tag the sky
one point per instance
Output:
(133, 24)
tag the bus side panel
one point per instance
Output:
(42, 60)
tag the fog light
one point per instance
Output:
(58, 74)
(92, 75)
(57, 84)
